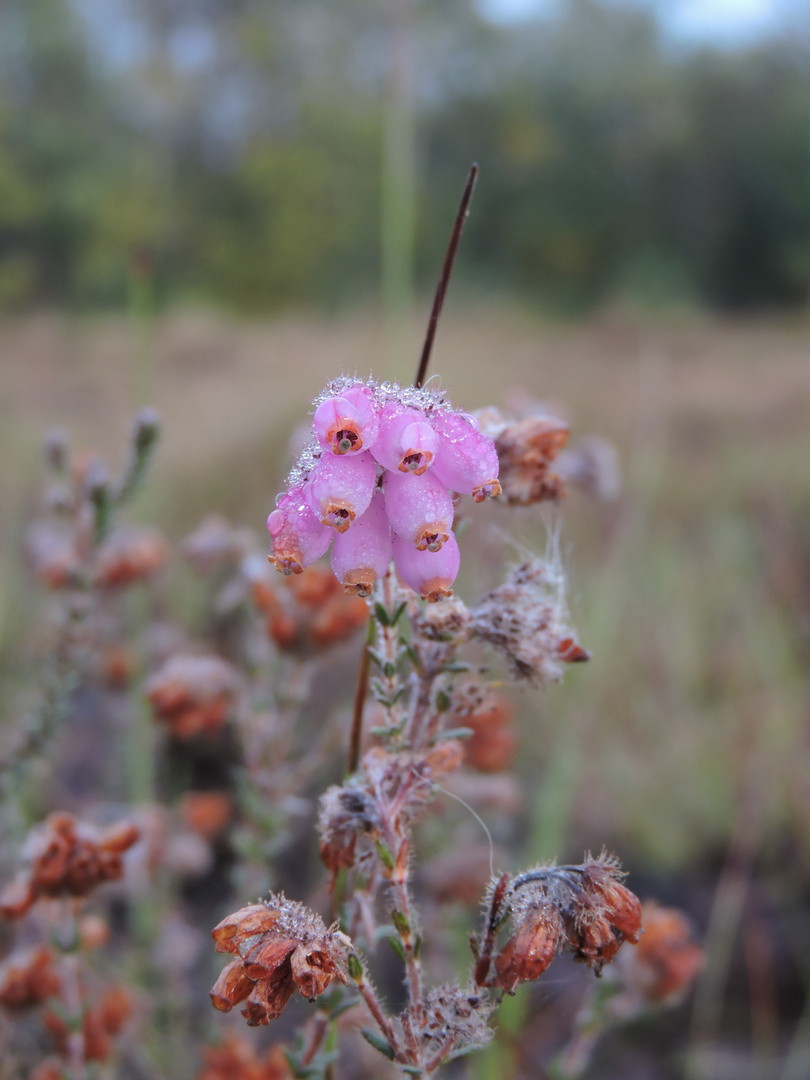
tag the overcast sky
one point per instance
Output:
(729, 22)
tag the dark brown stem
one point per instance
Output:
(360, 692)
(447, 270)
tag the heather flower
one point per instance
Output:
(299, 538)
(407, 442)
(362, 554)
(101, 1023)
(235, 1059)
(310, 611)
(347, 423)
(585, 907)
(340, 488)
(666, 960)
(466, 460)
(371, 437)
(280, 947)
(28, 977)
(525, 450)
(420, 509)
(129, 554)
(429, 573)
(193, 694)
(67, 858)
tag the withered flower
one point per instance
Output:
(131, 553)
(603, 913)
(280, 947)
(28, 977)
(237, 1060)
(525, 451)
(488, 714)
(102, 1022)
(529, 952)
(346, 813)
(526, 618)
(666, 960)
(67, 858)
(193, 694)
(585, 907)
(308, 611)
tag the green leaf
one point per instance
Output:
(401, 923)
(452, 733)
(355, 968)
(384, 855)
(398, 948)
(381, 615)
(378, 1042)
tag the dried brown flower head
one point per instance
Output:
(193, 694)
(281, 946)
(102, 1022)
(584, 907)
(526, 618)
(131, 553)
(67, 858)
(235, 1059)
(666, 960)
(28, 977)
(526, 447)
(308, 611)
(345, 814)
(493, 742)
(207, 813)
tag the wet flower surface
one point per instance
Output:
(381, 472)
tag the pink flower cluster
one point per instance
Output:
(379, 478)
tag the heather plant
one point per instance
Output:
(251, 731)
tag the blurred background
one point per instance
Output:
(214, 206)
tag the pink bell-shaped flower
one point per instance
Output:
(429, 573)
(406, 441)
(466, 460)
(340, 487)
(298, 537)
(362, 554)
(347, 423)
(420, 508)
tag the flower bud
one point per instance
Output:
(407, 442)
(347, 424)
(298, 537)
(340, 488)
(430, 573)
(363, 554)
(420, 509)
(466, 460)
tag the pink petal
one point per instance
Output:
(347, 424)
(298, 537)
(340, 488)
(406, 441)
(466, 460)
(363, 553)
(430, 573)
(420, 508)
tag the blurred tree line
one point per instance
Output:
(234, 148)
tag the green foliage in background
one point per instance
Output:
(240, 146)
